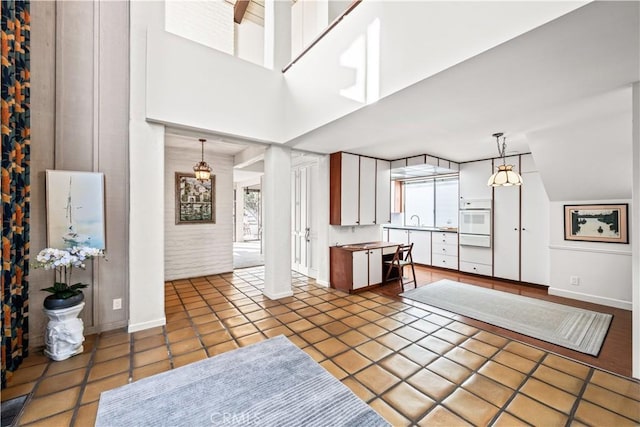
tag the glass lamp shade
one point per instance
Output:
(504, 177)
(202, 171)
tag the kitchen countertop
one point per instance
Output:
(415, 227)
(366, 245)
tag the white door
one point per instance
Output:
(506, 228)
(304, 233)
(349, 189)
(535, 226)
(383, 192)
(360, 269)
(375, 266)
(367, 191)
(421, 252)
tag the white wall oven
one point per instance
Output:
(475, 223)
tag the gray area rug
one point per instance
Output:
(570, 327)
(266, 384)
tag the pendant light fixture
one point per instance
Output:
(505, 176)
(202, 169)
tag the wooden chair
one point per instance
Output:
(400, 260)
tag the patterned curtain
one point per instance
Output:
(16, 131)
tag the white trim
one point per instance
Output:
(278, 296)
(322, 283)
(135, 327)
(610, 302)
(594, 250)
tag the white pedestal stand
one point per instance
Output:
(64, 336)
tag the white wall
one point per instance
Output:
(357, 63)
(249, 42)
(218, 93)
(193, 250)
(80, 122)
(604, 269)
(383, 47)
(208, 22)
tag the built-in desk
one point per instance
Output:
(360, 265)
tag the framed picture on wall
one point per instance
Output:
(596, 223)
(195, 200)
(75, 209)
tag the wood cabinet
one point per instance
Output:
(355, 267)
(360, 193)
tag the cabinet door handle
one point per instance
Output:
(515, 229)
(524, 229)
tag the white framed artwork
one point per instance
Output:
(75, 209)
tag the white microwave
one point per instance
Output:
(475, 221)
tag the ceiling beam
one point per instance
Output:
(239, 9)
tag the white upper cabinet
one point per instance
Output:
(360, 190)
(349, 189)
(473, 180)
(367, 191)
(383, 192)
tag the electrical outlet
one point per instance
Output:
(117, 303)
(574, 280)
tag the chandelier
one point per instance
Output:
(505, 176)
(202, 169)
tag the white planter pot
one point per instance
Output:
(64, 336)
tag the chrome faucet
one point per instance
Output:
(416, 217)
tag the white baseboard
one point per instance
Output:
(610, 302)
(322, 283)
(135, 327)
(278, 296)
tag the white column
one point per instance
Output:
(146, 182)
(277, 222)
(635, 233)
(322, 207)
(239, 213)
(277, 34)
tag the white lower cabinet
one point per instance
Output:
(475, 260)
(367, 268)
(444, 250)
(421, 239)
(421, 252)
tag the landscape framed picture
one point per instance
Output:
(597, 223)
(195, 200)
(75, 209)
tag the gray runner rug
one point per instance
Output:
(266, 384)
(570, 327)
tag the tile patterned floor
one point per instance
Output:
(412, 364)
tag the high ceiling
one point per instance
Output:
(573, 69)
